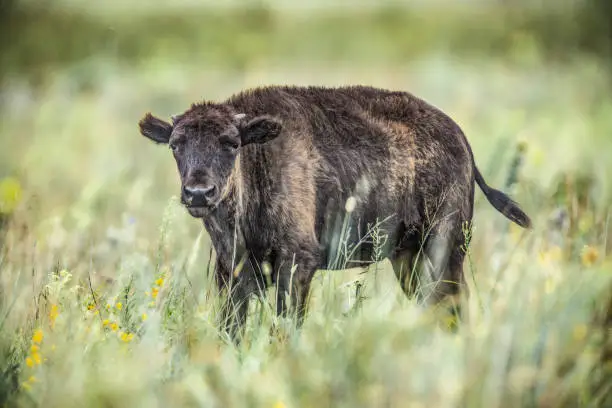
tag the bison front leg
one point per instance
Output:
(235, 304)
(295, 274)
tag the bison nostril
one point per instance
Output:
(187, 195)
(199, 195)
(209, 191)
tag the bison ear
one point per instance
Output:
(259, 130)
(155, 129)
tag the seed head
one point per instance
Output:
(351, 203)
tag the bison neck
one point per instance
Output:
(225, 234)
(237, 227)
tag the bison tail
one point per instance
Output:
(503, 203)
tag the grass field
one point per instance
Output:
(105, 288)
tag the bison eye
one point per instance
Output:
(229, 142)
(174, 146)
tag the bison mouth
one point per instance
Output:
(197, 212)
(201, 211)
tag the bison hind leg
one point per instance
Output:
(405, 258)
(430, 267)
(403, 264)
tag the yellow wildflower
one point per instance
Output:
(34, 348)
(589, 255)
(114, 326)
(144, 317)
(155, 292)
(108, 306)
(127, 337)
(36, 358)
(38, 336)
(105, 322)
(10, 195)
(32, 379)
(53, 313)
(29, 362)
(119, 305)
(91, 306)
(451, 321)
(279, 404)
(159, 282)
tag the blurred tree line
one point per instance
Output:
(39, 38)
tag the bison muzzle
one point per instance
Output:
(297, 178)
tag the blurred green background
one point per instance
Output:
(44, 36)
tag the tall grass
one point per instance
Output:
(106, 287)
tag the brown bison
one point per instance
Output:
(297, 178)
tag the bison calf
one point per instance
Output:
(293, 176)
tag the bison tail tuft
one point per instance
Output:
(502, 203)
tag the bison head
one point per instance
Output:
(206, 141)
